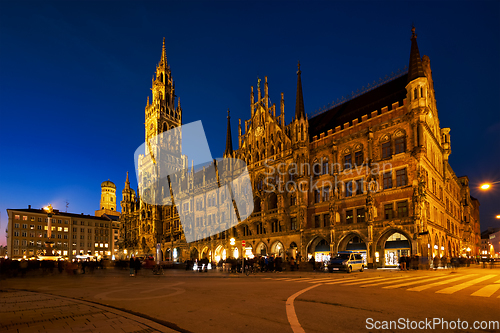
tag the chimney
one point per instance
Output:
(29, 206)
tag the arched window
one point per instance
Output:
(325, 166)
(302, 132)
(415, 93)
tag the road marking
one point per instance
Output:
(361, 281)
(414, 282)
(387, 282)
(351, 279)
(290, 310)
(324, 280)
(487, 291)
(439, 283)
(453, 289)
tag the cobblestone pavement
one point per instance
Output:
(25, 311)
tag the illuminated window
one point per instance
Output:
(25, 218)
(360, 215)
(17, 217)
(349, 216)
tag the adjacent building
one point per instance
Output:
(73, 234)
(369, 173)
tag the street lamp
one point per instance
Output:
(48, 242)
(486, 186)
(498, 216)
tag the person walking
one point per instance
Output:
(312, 261)
(402, 263)
(137, 266)
(132, 266)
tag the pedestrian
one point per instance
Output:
(312, 261)
(137, 266)
(402, 263)
(132, 266)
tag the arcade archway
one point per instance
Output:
(391, 246)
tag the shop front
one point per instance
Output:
(397, 245)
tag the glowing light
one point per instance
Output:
(498, 216)
(232, 241)
(468, 249)
(485, 186)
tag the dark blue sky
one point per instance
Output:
(74, 78)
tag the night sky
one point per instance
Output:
(74, 78)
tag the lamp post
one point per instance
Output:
(486, 186)
(48, 242)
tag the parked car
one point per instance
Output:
(347, 261)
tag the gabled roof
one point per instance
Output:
(375, 99)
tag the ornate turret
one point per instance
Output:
(415, 68)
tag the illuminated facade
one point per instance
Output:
(369, 173)
(72, 234)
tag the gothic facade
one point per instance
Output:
(369, 174)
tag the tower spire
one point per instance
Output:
(299, 103)
(229, 140)
(127, 182)
(415, 68)
(163, 54)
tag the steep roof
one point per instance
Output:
(375, 99)
(299, 101)
(415, 68)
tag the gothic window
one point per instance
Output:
(326, 193)
(386, 149)
(256, 205)
(316, 168)
(415, 93)
(316, 221)
(388, 211)
(401, 179)
(400, 144)
(326, 220)
(275, 227)
(348, 189)
(260, 228)
(347, 161)
(317, 196)
(358, 158)
(360, 215)
(325, 166)
(301, 132)
(349, 216)
(293, 223)
(403, 209)
(293, 199)
(359, 186)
